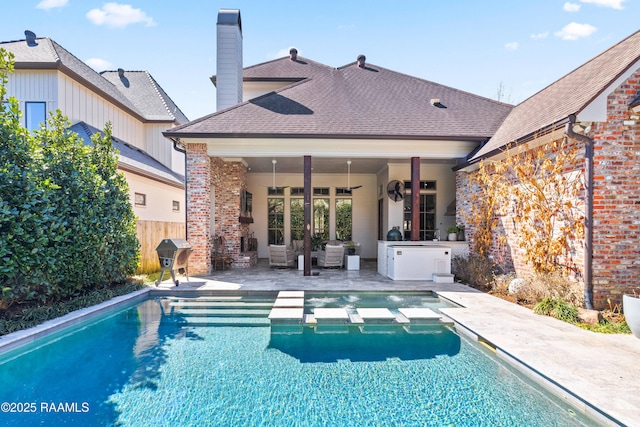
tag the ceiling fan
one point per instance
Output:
(273, 175)
(349, 187)
(395, 190)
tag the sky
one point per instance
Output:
(507, 49)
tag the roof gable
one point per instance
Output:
(141, 89)
(571, 94)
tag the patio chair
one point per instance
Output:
(280, 256)
(220, 258)
(332, 256)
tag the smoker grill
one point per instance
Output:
(173, 255)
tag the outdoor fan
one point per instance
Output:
(349, 187)
(395, 190)
(273, 175)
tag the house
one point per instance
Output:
(596, 106)
(293, 134)
(48, 77)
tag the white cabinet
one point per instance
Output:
(417, 262)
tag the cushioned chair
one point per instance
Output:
(280, 256)
(332, 256)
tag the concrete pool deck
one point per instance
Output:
(600, 371)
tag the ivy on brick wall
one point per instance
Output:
(66, 223)
(537, 190)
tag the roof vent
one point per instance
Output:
(120, 72)
(31, 38)
(436, 103)
(293, 54)
(361, 61)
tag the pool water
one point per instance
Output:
(168, 361)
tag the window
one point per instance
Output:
(176, 206)
(140, 199)
(321, 218)
(427, 224)
(297, 219)
(320, 191)
(275, 220)
(344, 220)
(35, 114)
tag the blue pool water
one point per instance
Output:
(197, 362)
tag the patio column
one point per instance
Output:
(198, 207)
(415, 199)
(307, 216)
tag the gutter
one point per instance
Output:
(588, 249)
(178, 148)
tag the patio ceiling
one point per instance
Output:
(337, 165)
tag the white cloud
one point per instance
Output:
(540, 35)
(614, 4)
(117, 15)
(50, 4)
(98, 64)
(571, 7)
(574, 31)
(511, 46)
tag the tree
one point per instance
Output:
(66, 222)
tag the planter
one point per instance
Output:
(631, 308)
(453, 237)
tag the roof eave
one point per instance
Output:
(519, 141)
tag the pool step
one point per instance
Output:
(225, 321)
(215, 304)
(214, 312)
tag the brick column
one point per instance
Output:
(199, 208)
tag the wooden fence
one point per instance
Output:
(150, 234)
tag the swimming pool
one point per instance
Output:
(215, 360)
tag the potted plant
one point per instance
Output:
(452, 233)
(351, 248)
(460, 232)
(631, 309)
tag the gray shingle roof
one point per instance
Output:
(568, 95)
(351, 102)
(47, 54)
(146, 95)
(132, 157)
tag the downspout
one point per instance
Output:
(588, 249)
(186, 199)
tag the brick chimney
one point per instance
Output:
(228, 59)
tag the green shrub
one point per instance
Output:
(66, 222)
(557, 308)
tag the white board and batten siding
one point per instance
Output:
(34, 86)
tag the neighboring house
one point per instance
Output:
(48, 77)
(389, 125)
(601, 101)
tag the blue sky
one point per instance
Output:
(476, 46)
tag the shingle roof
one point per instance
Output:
(351, 102)
(146, 95)
(568, 95)
(132, 157)
(47, 54)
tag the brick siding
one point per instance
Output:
(616, 213)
